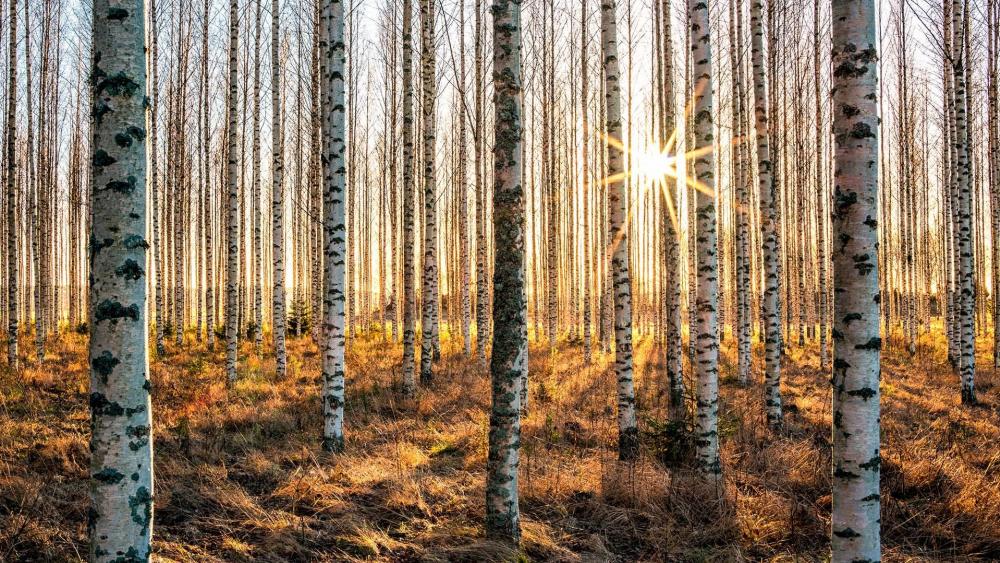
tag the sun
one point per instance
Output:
(654, 164)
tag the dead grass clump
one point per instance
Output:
(66, 455)
(921, 479)
(476, 550)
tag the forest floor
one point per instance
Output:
(240, 476)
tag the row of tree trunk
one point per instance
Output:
(570, 280)
(564, 225)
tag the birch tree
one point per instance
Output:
(742, 201)
(233, 202)
(993, 113)
(153, 177)
(257, 250)
(465, 301)
(707, 297)
(549, 182)
(76, 211)
(409, 274)
(33, 192)
(333, 58)
(277, 199)
(963, 212)
(482, 289)
(509, 361)
(121, 465)
(768, 196)
(671, 234)
(628, 431)
(430, 347)
(820, 132)
(11, 189)
(203, 289)
(210, 287)
(585, 179)
(856, 458)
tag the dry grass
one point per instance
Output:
(239, 476)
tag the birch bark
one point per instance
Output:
(13, 260)
(628, 431)
(333, 58)
(409, 291)
(767, 186)
(707, 296)
(121, 465)
(430, 346)
(277, 199)
(856, 458)
(509, 361)
(233, 203)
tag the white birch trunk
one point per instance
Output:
(121, 465)
(277, 200)
(963, 212)
(482, 287)
(463, 194)
(994, 164)
(585, 179)
(742, 255)
(509, 361)
(856, 459)
(822, 214)
(13, 259)
(209, 238)
(258, 247)
(671, 242)
(153, 177)
(430, 346)
(767, 187)
(628, 431)
(707, 295)
(32, 193)
(334, 231)
(409, 193)
(233, 203)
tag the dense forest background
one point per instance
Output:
(361, 290)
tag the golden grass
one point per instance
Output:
(240, 477)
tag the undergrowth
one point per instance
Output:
(240, 475)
